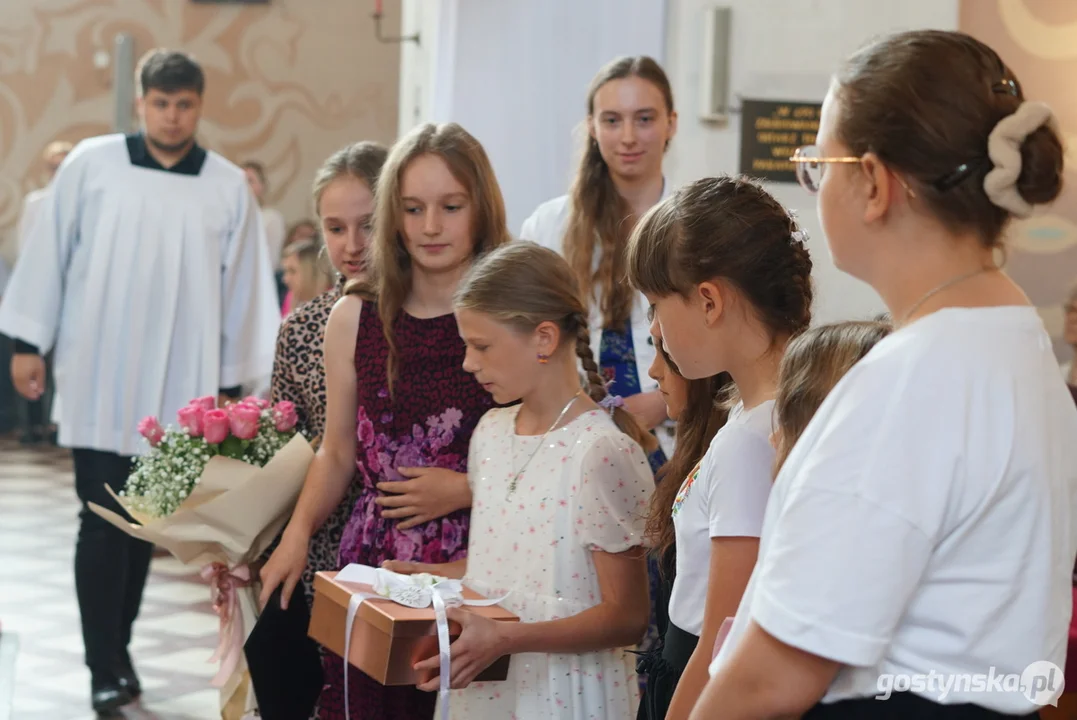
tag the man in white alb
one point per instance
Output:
(148, 273)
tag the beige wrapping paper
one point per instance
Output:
(232, 515)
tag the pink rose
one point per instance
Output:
(245, 419)
(256, 402)
(150, 429)
(285, 416)
(191, 418)
(215, 426)
(206, 403)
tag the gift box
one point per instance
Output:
(389, 638)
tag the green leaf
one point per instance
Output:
(233, 447)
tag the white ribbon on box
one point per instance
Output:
(415, 591)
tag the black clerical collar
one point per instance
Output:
(190, 164)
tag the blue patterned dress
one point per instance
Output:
(617, 363)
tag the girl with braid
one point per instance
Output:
(728, 278)
(560, 486)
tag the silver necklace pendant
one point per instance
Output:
(542, 441)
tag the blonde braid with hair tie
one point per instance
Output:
(596, 388)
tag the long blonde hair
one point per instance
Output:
(388, 280)
(315, 276)
(523, 285)
(598, 211)
(814, 362)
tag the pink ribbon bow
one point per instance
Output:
(223, 584)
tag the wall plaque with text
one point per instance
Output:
(769, 134)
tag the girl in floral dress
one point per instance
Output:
(560, 491)
(401, 409)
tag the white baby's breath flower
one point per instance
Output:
(165, 476)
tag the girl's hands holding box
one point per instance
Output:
(481, 642)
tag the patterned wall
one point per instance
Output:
(287, 83)
(1038, 40)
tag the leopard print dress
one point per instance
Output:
(299, 376)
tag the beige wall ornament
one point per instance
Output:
(288, 82)
(1038, 40)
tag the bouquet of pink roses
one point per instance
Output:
(215, 491)
(250, 431)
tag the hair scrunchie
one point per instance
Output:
(1004, 149)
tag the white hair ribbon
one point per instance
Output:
(1004, 149)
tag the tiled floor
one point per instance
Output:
(174, 636)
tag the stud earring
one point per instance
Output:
(543, 359)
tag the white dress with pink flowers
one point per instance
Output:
(587, 488)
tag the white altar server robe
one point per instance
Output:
(152, 286)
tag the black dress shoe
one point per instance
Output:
(30, 438)
(108, 698)
(126, 677)
(129, 683)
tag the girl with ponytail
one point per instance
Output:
(728, 277)
(560, 487)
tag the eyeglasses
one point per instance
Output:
(809, 168)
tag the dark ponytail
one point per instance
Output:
(730, 228)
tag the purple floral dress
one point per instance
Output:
(426, 422)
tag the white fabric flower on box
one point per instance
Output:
(417, 591)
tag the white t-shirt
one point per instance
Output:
(924, 521)
(726, 497)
